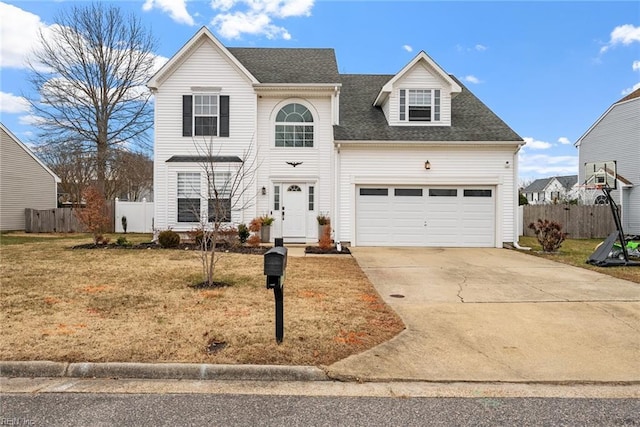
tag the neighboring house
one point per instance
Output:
(412, 159)
(550, 190)
(25, 182)
(615, 136)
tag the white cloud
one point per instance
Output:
(233, 25)
(177, 9)
(9, 103)
(471, 79)
(407, 48)
(624, 35)
(534, 144)
(238, 17)
(19, 34)
(636, 65)
(480, 48)
(30, 120)
(542, 165)
(628, 90)
(564, 140)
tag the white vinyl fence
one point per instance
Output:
(139, 216)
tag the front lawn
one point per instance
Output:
(137, 305)
(576, 252)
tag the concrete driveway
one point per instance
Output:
(498, 315)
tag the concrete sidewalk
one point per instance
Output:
(498, 315)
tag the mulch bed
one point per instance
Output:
(332, 251)
(260, 250)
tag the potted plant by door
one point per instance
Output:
(323, 220)
(265, 229)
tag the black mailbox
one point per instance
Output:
(275, 261)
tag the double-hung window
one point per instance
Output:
(205, 114)
(419, 105)
(219, 197)
(188, 197)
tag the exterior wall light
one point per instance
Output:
(427, 165)
(264, 191)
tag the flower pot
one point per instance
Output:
(321, 229)
(265, 233)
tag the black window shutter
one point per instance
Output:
(224, 116)
(187, 113)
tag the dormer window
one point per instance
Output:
(419, 105)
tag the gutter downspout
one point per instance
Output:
(516, 235)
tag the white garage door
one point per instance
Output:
(425, 216)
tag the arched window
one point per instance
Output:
(294, 126)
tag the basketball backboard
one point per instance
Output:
(600, 174)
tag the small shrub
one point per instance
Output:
(255, 225)
(228, 235)
(124, 224)
(254, 240)
(243, 233)
(549, 234)
(122, 241)
(169, 239)
(325, 240)
(196, 235)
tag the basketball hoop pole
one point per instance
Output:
(616, 218)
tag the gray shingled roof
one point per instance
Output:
(538, 185)
(289, 65)
(471, 120)
(567, 181)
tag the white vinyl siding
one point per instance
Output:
(316, 163)
(403, 166)
(205, 67)
(617, 137)
(24, 183)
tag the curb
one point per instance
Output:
(186, 371)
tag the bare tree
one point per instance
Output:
(230, 188)
(129, 175)
(74, 168)
(90, 72)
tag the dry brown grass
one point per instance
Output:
(576, 252)
(136, 305)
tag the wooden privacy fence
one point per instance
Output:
(60, 220)
(580, 221)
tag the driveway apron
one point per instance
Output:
(498, 315)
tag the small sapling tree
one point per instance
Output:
(94, 216)
(228, 186)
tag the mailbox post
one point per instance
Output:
(275, 265)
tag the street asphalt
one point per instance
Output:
(472, 315)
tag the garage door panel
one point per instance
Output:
(448, 217)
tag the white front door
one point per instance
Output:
(293, 211)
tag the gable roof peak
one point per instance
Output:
(203, 33)
(422, 56)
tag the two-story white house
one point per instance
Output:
(556, 189)
(411, 159)
(615, 137)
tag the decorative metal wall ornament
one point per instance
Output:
(294, 164)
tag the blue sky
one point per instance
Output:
(548, 69)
